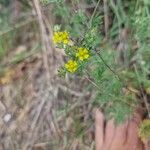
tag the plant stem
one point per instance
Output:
(95, 85)
(116, 75)
(90, 22)
(92, 82)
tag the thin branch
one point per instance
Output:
(116, 75)
(95, 85)
(100, 56)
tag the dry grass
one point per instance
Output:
(43, 116)
(38, 110)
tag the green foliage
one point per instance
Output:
(110, 79)
(86, 29)
(141, 29)
(75, 22)
(114, 102)
(6, 39)
(109, 92)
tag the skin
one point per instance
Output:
(120, 137)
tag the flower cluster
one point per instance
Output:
(60, 37)
(76, 55)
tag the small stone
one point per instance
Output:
(7, 118)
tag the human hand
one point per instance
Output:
(121, 137)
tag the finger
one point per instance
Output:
(99, 128)
(133, 141)
(147, 145)
(120, 137)
(109, 134)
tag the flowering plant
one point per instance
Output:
(77, 55)
(84, 56)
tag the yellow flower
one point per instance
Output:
(71, 66)
(144, 129)
(82, 53)
(60, 37)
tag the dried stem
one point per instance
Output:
(43, 38)
(106, 18)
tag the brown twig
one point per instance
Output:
(106, 18)
(43, 38)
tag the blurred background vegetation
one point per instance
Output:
(39, 109)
